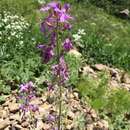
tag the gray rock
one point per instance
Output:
(4, 124)
(124, 13)
(15, 117)
(125, 78)
(100, 67)
(13, 107)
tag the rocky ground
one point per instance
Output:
(76, 114)
(117, 78)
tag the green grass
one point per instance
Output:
(108, 38)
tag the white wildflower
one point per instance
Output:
(41, 1)
(81, 32)
(13, 33)
(21, 42)
(94, 24)
(9, 38)
(76, 37)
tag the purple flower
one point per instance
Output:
(23, 87)
(43, 27)
(63, 13)
(41, 46)
(30, 84)
(67, 7)
(24, 107)
(46, 53)
(26, 87)
(58, 12)
(51, 118)
(31, 95)
(53, 39)
(55, 128)
(50, 86)
(29, 107)
(48, 24)
(63, 16)
(52, 5)
(61, 70)
(26, 94)
(67, 26)
(67, 44)
(33, 108)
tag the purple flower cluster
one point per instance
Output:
(51, 118)
(57, 12)
(50, 86)
(46, 53)
(67, 44)
(61, 71)
(26, 94)
(58, 19)
(53, 26)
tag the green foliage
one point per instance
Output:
(19, 69)
(98, 50)
(119, 123)
(2, 99)
(119, 102)
(74, 63)
(79, 121)
(4, 89)
(111, 104)
(94, 91)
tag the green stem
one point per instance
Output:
(60, 91)
(60, 102)
(33, 121)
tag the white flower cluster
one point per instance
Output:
(41, 1)
(12, 27)
(78, 36)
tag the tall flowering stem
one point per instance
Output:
(26, 95)
(53, 25)
(58, 56)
